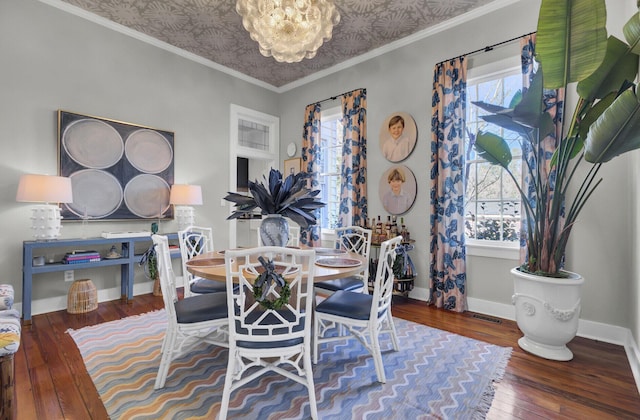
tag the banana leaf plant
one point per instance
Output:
(572, 46)
(149, 263)
(289, 197)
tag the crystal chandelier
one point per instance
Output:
(288, 30)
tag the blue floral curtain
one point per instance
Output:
(447, 280)
(553, 103)
(310, 151)
(353, 188)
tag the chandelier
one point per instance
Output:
(288, 30)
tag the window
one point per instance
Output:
(492, 201)
(329, 164)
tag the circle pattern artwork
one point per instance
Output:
(93, 143)
(147, 196)
(148, 151)
(105, 159)
(96, 193)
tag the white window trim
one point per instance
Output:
(333, 112)
(486, 248)
(493, 249)
(327, 234)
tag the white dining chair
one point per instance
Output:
(270, 317)
(191, 320)
(361, 316)
(196, 240)
(351, 239)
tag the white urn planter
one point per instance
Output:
(547, 313)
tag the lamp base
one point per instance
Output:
(185, 216)
(45, 222)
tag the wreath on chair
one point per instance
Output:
(263, 283)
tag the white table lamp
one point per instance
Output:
(183, 197)
(45, 189)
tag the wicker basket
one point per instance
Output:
(82, 297)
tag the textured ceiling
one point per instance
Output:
(213, 30)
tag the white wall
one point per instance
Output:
(54, 60)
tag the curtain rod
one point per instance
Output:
(333, 98)
(489, 47)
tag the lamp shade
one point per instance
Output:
(187, 195)
(44, 189)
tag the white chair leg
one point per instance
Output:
(313, 406)
(228, 382)
(316, 337)
(392, 330)
(377, 356)
(165, 361)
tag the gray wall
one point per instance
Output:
(401, 80)
(52, 60)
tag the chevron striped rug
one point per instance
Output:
(436, 375)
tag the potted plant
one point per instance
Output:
(149, 263)
(572, 46)
(278, 199)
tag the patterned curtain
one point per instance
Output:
(553, 102)
(310, 151)
(447, 280)
(353, 188)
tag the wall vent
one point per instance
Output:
(487, 318)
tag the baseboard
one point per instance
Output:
(59, 303)
(633, 354)
(588, 329)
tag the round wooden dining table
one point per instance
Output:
(210, 265)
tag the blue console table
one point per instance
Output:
(127, 262)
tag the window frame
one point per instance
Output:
(483, 247)
(329, 234)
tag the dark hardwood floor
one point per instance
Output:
(52, 382)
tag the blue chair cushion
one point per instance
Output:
(268, 320)
(202, 286)
(347, 305)
(202, 308)
(347, 283)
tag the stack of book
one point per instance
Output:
(79, 257)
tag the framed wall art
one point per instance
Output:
(397, 189)
(292, 166)
(118, 170)
(398, 136)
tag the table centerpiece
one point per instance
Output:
(278, 198)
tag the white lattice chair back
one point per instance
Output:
(194, 240)
(294, 236)
(251, 320)
(357, 240)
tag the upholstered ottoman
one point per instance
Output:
(9, 343)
